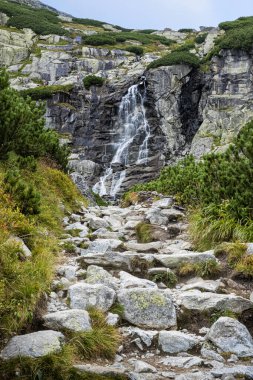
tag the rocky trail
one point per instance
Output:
(184, 332)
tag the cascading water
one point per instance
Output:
(133, 122)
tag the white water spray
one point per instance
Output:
(133, 122)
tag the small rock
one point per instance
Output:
(202, 285)
(210, 354)
(24, 250)
(112, 319)
(104, 245)
(147, 247)
(155, 216)
(182, 362)
(142, 367)
(163, 203)
(173, 342)
(108, 371)
(204, 330)
(95, 223)
(239, 370)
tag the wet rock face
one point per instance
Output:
(91, 123)
(174, 95)
(187, 110)
(190, 114)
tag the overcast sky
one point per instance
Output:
(157, 14)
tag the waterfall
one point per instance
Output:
(133, 124)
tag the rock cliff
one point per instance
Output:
(188, 110)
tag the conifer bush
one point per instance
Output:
(41, 21)
(22, 127)
(92, 80)
(138, 50)
(177, 57)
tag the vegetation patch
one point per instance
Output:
(186, 30)
(237, 257)
(32, 190)
(176, 58)
(41, 21)
(93, 80)
(169, 278)
(100, 342)
(218, 190)
(201, 38)
(205, 269)
(138, 50)
(111, 38)
(144, 232)
(46, 92)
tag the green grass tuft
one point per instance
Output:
(205, 269)
(144, 232)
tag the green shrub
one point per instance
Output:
(25, 194)
(46, 92)
(237, 24)
(100, 39)
(220, 187)
(111, 38)
(146, 31)
(138, 50)
(22, 127)
(185, 47)
(176, 58)
(88, 21)
(186, 30)
(239, 34)
(201, 38)
(93, 80)
(241, 38)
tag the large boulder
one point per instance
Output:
(33, 345)
(98, 275)
(229, 335)
(173, 342)
(148, 308)
(147, 247)
(75, 320)
(129, 281)
(175, 260)
(118, 260)
(84, 296)
(195, 300)
(202, 285)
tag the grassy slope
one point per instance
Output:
(24, 281)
